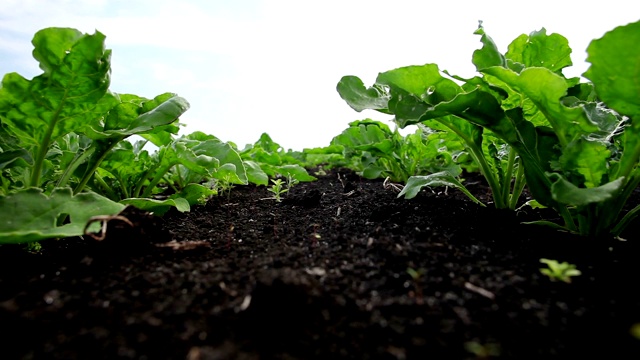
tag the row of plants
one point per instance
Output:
(65, 156)
(574, 144)
(65, 153)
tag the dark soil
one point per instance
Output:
(325, 274)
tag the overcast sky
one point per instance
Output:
(249, 67)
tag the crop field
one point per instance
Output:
(505, 226)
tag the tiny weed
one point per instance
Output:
(277, 189)
(559, 271)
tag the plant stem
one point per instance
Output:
(46, 143)
(518, 186)
(64, 179)
(105, 146)
(156, 179)
(478, 156)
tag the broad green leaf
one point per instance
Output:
(373, 172)
(228, 173)
(158, 207)
(29, 215)
(255, 174)
(425, 82)
(416, 183)
(489, 55)
(587, 158)
(353, 91)
(66, 98)
(545, 89)
(136, 115)
(225, 154)
(565, 192)
(615, 69)
(15, 158)
(366, 135)
(195, 194)
(296, 171)
(541, 50)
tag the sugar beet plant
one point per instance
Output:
(63, 158)
(424, 158)
(575, 143)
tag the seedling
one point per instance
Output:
(416, 275)
(277, 189)
(559, 271)
(292, 181)
(224, 185)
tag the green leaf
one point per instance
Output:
(353, 91)
(416, 183)
(615, 68)
(541, 50)
(545, 89)
(255, 174)
(565, 192)
(366, 135)
(296, 171)
(29, 215)
(425, 82)
(225, 154)
(15, 158)
(158, 207)
(587, 158)
(489, 55)
(66, 98)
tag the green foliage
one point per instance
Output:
(57, 129)
(373, 150)
(421, 95)
(576, 144)
(277, 189)
(30, 215)
(272, 161)
(559, 271)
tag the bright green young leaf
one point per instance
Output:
(195, 194)
(565, 192)
(545, 89)
(424, 82)
(366, 135)
(615, 69)
(353, 91)
(416, 183)
(29, 215)
(67, 97)
(489, 55)
(225, 154)
(296, 171)
(158, 207)
(588, 159)
(541, 50)
(255, 174)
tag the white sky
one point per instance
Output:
(249, 67)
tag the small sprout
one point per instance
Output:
(559, 271)
(482, 351)
(292, 181)
(277, 189)
(315, 235)
(33, 247)
(224, 185)
(415, 274)
(320, 172)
